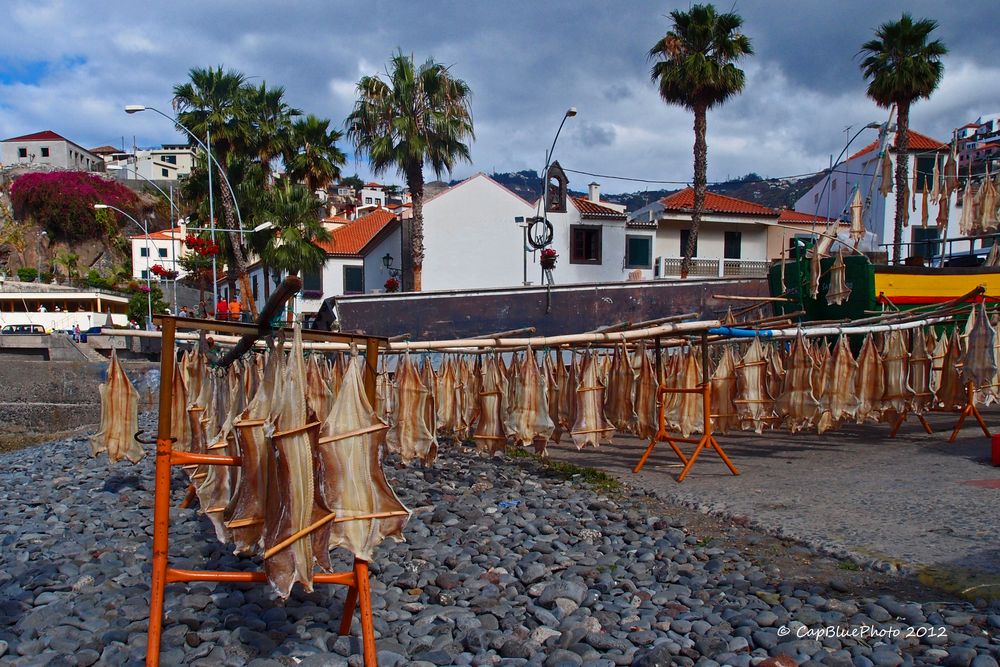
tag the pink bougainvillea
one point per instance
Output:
(62, 202)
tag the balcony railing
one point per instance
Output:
(712, 267)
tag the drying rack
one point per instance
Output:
(707, 438)
(357, 579)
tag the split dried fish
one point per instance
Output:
(797, 403)
(619, 406)
(869, 382)
(410, 434)
(839, 400)
(591, 426)
(119, 417)
(529, 420)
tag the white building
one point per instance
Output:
(343, 271)
(372, 196)
(732, 237)
(48, 148)
(170, 162)
(832, 196)
(165, 247)
(979, 144)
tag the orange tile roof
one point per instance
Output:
(589, 209)
(44, 135)
(918, 142)
(172, 234)
(101, 150)
(715, 203)
(350, 239)
(789, 216)
(373, 184)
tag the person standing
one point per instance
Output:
(234, 310)
(222, 309)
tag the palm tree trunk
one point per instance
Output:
(902, 178)
(415, 180)
(700, 185)
(237, 255)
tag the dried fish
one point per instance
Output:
(489, 433)
(450, 420)
(529, 420)
(646, 390)
(797, 403)
(920, 373)
(978, 364)
(591, 426)
(119, 417)
(869, 383)
(949, 393)
(725, 392)
(180, 425)
(754, 404)
(898, 396)
(691, 412)
(350, 477)
(838, 292)
(619, 406)
(411, 435)
(839, 401)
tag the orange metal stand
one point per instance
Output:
(706, 440)
(902, 418)
(357, 579)
(969, 409)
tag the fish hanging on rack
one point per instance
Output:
(920, 373)
(449, 403)
(349, 474)
(885, 181)
(838, 292)
(244, 515)
(949, 394)
(978, 363)
(489, 433)
(591, 426)
(216, 489)
(292, 503)
(967, 223)
(180, 425)
(429, 379)
(554, 371)
(410, 435)
(619, 406)
(838, 401)
(857, 232)
(938, 348)
(646, 389)
(898, 396)
(529, 421)
(690, 414)
(318, 395)
(869, 383)
(724, 392)
(470, 394)
(987, 204)
(754, 405)
(796, 403)
(936, 180)
(119, 417)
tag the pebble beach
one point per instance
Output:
(505, 563)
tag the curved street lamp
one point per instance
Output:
(529, 235)
(149, 287)
(170, 197)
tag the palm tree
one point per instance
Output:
(902, 66)
(312, 154)
(289, 245)
(213, 100)
(270, 122)
(420, 115)
(695, 68)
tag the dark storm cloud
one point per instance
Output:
(526, 62)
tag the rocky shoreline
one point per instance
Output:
(504, 564)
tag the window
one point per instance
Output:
(45, 151)
(368, 200)
(925, 241)
(162, 252)
(685, 236)
(354, 280)
(144, 252)
(732, 245)
(585, 244)
(925, 173)
(638, 252)
(22, 152)
(145, 274)
(312, 284)
(833, 186)
(169, 159)
(253, 286)
(165, 173)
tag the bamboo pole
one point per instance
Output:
(738, 297)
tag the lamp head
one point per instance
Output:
(387, 261)
(134, 108)
(873, 126)
(262, 226)
(570, 112)
(100, 206)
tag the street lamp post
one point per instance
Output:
(541, 200)
(149, 288)
(136, 108)
(170, 197)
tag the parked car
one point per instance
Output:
(23, 330)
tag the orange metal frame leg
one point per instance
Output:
(969, 409)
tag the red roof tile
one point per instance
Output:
(350, 239)
(715, 203)
(589, 209)
(373, 184)
(793, 217)
(102, 150)
(46, 135)
(918, 142)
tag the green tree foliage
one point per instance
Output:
(420, 115)
(694, 67)
(902, 64)
(290, 244)
(312, 155)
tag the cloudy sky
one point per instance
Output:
(70, 67)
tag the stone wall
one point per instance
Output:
(43, 397)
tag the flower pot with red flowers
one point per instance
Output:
(548, 258)
(392, 285)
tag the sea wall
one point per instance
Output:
(39, 398)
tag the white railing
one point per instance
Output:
(667, 267)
